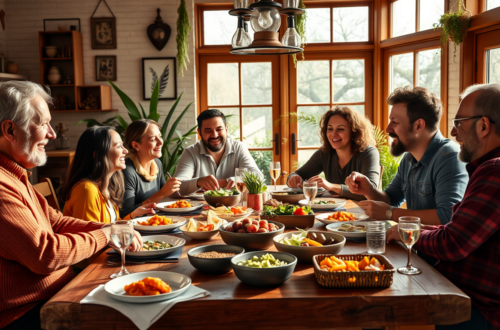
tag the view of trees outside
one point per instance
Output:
(219, 27)
(223, 84)
(404, 15)
(490, 4)
(318, 25)
(313, 82)
(429, 70)
(493, 64)
(348, 81)
(350, 24)
(256, 83)
(401, 71)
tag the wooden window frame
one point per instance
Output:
(417, 16)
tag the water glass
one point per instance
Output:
(310, 191)
(375, 237)
(122, 234)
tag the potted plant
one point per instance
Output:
(255, 186)
(300, 26)
(454, 25)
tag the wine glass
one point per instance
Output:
(275, 169)
(409, 231)
(310, 191)
(240, 185)
(122, 233)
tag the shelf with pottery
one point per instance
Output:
(57, 59)
(11, 76)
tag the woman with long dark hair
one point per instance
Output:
(94, 188)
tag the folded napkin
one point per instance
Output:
(172, 257)
(143, 315)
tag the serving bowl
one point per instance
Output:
(250, 241)
(199, 234)
(337, 202)
(323, 217)
(264, 276)
(306, 253)
(176, 223)
(163, 207)
(231, 217)
(216, 265)
(177, 243)
(223, 200)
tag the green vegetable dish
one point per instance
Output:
(155, 245)
(266, 261)
(323, 203)
(285, 209)
(222, 192)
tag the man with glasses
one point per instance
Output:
(430, 178)
(468, 248)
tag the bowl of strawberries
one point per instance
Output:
(251, 234)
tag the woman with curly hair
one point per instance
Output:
(348, 146)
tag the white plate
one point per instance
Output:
(338, 203)
(231, 217)
(197, 196)
(179, 283)
(333, 227)
(324, 218)
(200, 234)
(177, 243)
(176, 223)
(163, 207)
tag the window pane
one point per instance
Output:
(401, 71)
(493, 66)
(219, 27)
(429, 70)
(258, 126)
(350, 24)
(233, 122)
(490, 4)
(304, 156)
(358, 107)
(223, 85)
(313, 82)
(348, 80)
(318, 25)
(262, 159)
(403, 17)
(430, 12)
(309, 132)
(256, 83)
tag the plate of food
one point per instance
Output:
(203, 229)
(324, 203)
(292, 216)
(341, 216)
(147, 287)
(180, 206)
(158, 223)
(229, 213)
(157, 245)
(351, 229)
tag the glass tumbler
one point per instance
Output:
(375, 237)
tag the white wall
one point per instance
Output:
(453, 81)
(25, 18)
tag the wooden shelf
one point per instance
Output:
(62, 85)
(57, 59)
(10, 76)
(93, 110)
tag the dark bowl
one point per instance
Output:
(264, 276)
(213, 266)
(250, 241)
(223, 200)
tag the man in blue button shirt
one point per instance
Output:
(430, 177)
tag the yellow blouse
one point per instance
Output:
(86, 202)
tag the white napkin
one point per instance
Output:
(143, 315)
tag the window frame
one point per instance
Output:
(417, 16)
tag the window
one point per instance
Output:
(493, 65)
(410, 16)
(219, 27)
(490, 4)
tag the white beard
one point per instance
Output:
(35, 158)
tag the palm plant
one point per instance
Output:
(174, 141)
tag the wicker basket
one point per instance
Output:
(363, 279)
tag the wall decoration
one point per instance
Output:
(105, 68)
(61, 24)
(103, 30)
(163, 70)
(159, 32)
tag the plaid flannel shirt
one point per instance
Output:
(468, 248)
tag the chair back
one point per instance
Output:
(380, 180)
(46, 189)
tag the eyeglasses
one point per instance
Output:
(458, 121)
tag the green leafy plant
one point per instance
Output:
(454, 26)
(254, 182)
(174, 141)
(300, 26)
(183, 29)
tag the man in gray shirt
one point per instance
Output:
(210, 163)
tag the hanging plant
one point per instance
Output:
(300, 26)
(454, 26)
(183, 29)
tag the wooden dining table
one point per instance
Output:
(299, 303)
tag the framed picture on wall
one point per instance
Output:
(103, 31)
(163, 70)
(105, 68)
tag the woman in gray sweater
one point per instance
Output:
(144, 178)
(348, 145)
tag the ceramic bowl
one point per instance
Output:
(250, 241)
(216, 265)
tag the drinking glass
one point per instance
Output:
(122, 233)
(409, 231)
(310, 191)
(275, 169)
(240, 185)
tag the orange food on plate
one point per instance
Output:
(334, 264)
(205, 227)
(179, 205)
(239, 209)
(156, 220)
(341, 216)
(148, 286)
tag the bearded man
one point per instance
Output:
(430, 177)
(210, 163)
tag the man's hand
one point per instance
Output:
(208, 183)
(295, 182)
(393, 234)
(359, 184)
(230, 184)
(375, 210)
(322, 183)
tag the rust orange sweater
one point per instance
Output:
(37, 244)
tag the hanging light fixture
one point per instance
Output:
(265, 19)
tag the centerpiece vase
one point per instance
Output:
(255, 201)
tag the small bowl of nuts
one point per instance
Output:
(214, 259)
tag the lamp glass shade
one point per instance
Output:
(265, 19)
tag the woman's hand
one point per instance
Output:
(393, 234)
(295, 181)
(136, 244)
(322, 183)
(171, 186)
(144, 209)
